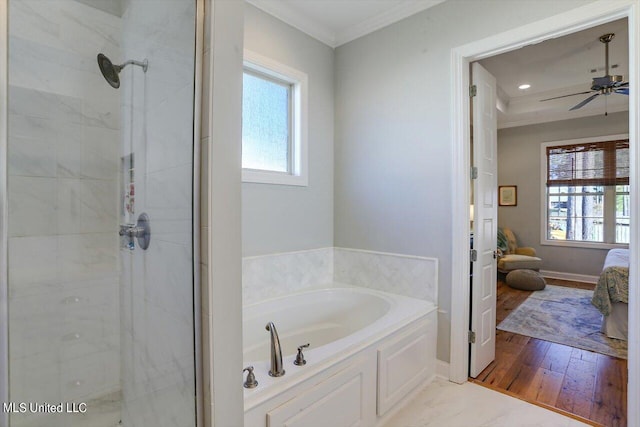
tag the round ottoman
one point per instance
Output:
(526, 280)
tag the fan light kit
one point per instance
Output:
(605, 85)
(524, 86)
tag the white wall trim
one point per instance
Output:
(460, 169)
(556, 26)
(297, 20)
(633, 387)
(334, 38)
(196, 230)
(435, 260)
(569, 276)
(388, 254)
(344, 249)
(397, 13)
(286, 253)
(224, 257)
(4, 277)
(556, 116)
(442, 369)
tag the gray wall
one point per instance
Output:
(519, 162)
(280, 218)
(392, 132)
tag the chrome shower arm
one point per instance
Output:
(144, 64)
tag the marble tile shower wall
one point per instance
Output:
(275, 275)
(157, 326)
(64, 133)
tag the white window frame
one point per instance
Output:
(299, 171)
(544, 211)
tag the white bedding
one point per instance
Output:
(617, 258)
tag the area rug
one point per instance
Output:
(565, 316)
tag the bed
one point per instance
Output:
(611, 295)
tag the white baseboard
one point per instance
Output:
(442, 369)
(569, 276)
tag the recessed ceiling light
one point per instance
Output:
(524, 86)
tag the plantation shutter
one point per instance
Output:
(593, 163)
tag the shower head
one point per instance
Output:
(110, 71)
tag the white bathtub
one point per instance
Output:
(338, 323)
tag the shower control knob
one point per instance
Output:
(131, 231)
(141, 231)
(251, 378)
(300, 357)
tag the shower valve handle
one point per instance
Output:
(131, 231)
(141, 230)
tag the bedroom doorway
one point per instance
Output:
(548, 345)
(558, 26)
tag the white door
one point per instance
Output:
(483, 289)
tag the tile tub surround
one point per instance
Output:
(270, 276)
(411, 276)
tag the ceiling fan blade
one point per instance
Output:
(621, 84)
(564, 96)
(623, 91)
(585, 102)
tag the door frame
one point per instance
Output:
(593, 14)
(196, 222)
(4, 236)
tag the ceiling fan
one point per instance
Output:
(605, 85)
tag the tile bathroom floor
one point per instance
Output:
(445, 404)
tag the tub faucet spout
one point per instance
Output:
(276, 352)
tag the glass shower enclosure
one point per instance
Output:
(100, 167)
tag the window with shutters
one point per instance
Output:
(586, 190)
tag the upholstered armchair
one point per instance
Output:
(511, 257)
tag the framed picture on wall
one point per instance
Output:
(508, 195)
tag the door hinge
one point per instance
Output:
(472, 337)
(473, 91)
(473, 255)
(474, 172)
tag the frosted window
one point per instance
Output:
(266, 124)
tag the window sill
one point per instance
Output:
(277, 178)
(586, 245)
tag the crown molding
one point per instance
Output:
(326, 35)
(296, 20)
(555, 116)
(400, 11)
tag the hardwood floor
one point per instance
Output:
(580, 382)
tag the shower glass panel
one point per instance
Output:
(101, 322)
